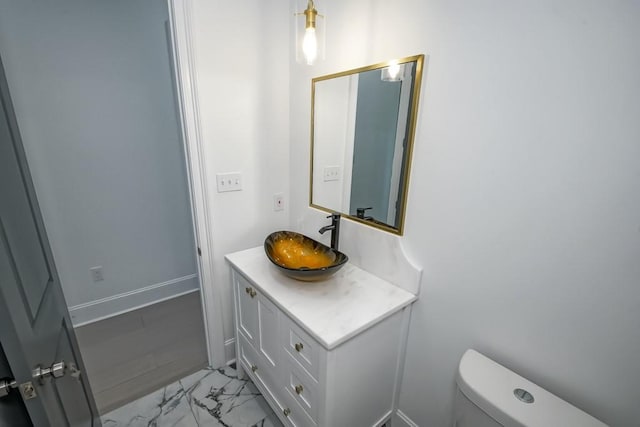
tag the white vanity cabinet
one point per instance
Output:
(322, 353)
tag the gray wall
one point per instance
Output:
(374, 144)
(91, 84)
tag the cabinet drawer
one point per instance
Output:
(302, 387)
(258, 370)
(293, 412)
(300, 346)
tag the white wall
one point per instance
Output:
(524, 205)
(91, 85)
(242, 65)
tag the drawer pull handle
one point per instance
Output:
(254, 368)
(299, 347)
(299, 389)
(286, 412)
(250, 291)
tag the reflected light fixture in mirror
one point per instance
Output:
(309, 35)
(393, 73)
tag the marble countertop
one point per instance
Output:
(332, 311)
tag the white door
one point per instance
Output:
(35, 327)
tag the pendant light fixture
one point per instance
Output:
(309, 35)
(393, 73)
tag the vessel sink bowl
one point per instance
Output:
(301, 257)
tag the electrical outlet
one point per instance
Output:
(331, 173)
(229, 182)
(278, 202)
(96, 273)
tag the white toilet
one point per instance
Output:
(490, 395)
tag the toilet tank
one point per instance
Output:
(490, 395)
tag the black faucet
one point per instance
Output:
(360, 213)
(335, 230)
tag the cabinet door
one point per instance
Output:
(268, 344)
(268, 330)
(247, 308)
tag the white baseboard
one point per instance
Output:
(230, 350)
(104, 308)
(400, 419)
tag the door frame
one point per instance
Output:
(180, 18)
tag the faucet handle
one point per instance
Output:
(334, 215)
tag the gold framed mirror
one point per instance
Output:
(362, 132)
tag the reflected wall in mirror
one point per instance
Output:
(362, 131)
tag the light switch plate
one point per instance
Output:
(229, 181)
(331, 173)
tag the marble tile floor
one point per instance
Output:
(208, 398)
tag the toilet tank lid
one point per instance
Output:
(490, 386)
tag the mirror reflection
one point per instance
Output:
(363, 124)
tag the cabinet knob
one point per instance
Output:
(298, 346)
(286, 412)
(250, 291)
(254, 368)
(299, 389)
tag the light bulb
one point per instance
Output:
(394, 69)
(393, 73)
(310, 45)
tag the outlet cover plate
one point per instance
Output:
(278, 202)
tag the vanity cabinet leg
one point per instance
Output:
(240, 371)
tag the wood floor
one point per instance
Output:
(133, 354)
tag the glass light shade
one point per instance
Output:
(310, 33)
(393, 73)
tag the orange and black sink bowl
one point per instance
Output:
(301, 257)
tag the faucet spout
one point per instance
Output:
(335, 230)
(326, 228)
